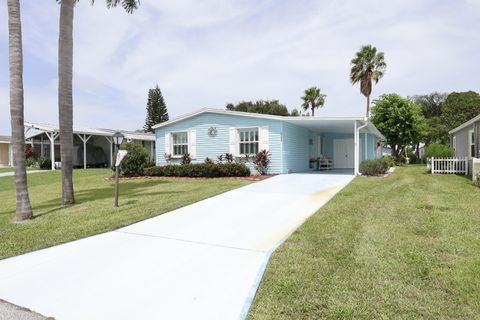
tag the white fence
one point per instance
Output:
(449, 165)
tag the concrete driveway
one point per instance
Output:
(202, 261)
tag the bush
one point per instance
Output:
(374, 167)
(44, 163)
(208, 170)
(186, 158)
(135, 161)
(390, 160)
(30, 162)
(438, 150)
(262, 161)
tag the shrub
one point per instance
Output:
(229, 157)
(186, 158)
(374, 167)
(28, 151)
(262, 161)
(30, 162)
(438, 150)
(208, 170)
(390, 160)
(44, 163)
(208, 160)
(135, 161)
(413, 159)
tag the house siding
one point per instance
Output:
(461, 147)
(296, 148)
(212, 147)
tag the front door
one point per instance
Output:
(343, 153)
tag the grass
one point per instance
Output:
(93, 212)
(2, 170)
(402, 247)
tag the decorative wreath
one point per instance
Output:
(212, 131)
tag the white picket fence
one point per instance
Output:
(449, 165)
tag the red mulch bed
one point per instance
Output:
(249, 178)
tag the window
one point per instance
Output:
(471, 140)
(180, 143)
(454, 145)
(248, 141)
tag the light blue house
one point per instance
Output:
(294, 142)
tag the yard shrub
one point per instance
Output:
(44, 163)
(438, 150)
(135, 161)
(30, 162)
(186, 158)
(208, 170)
(374, 167)
(390, 160)
(262, 161)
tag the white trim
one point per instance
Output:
(454, 144)
(172, 144)
(465, 124)
(471, 142)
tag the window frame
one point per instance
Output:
(471, 143)
(239, 142)
(173, 144)
(454, 145)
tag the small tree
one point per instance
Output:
(262, 162)
(156, 109)
(313, 99)
(399, 120)
(135, 161)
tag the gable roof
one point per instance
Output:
(465, 124)
(42, 127)
(295, 120)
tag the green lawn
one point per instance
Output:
(402, 247)
(94, 212)
(2, 170)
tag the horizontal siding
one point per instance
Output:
(212, 147)
(461, 149)
(296, 148)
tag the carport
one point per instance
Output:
(92, 147)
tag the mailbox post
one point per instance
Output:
(117, 140)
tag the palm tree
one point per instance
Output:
(367, 65)
(313, 99)
(65, 100)
(15, 54)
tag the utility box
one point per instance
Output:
(475, 169)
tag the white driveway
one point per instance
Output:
(202, 261)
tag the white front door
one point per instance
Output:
(343, 153)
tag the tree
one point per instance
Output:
(367, 65)
(15, 55)
(295, 113)
(313, 99)
(65, 100)
(432, 107)
(156, 109)
(260, 106)
(460, 107)
(399, 120)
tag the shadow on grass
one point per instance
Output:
(127, 190)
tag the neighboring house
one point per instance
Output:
(6, 152)
(292, 141)
(464, 139)
(97, 143)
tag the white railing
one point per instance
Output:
(449, 165)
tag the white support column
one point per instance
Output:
(84, 139)
(41, 145)
(111, 150)
(356, 147)
(52, 136)
(10, 155)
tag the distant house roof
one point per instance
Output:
(465, 124)
(301, 121)
(5, 139)
(34, 129)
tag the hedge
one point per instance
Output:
(374, 167)
(208, 170)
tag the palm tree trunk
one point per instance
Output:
(368, 106)
(313, 109)
(15, 53)
(65, 103)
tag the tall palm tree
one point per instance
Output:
(65, 100)
(313, 99)
(15, 54)
(367, 65)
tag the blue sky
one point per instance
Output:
(209, 53)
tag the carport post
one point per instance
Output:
(52, 136)
(356, 147)
(84, 140)
(111, 150)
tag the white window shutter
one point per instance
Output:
(233, 141)
(263, 138)
(192, 143)
(167, 143)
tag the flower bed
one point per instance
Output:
(200, 170)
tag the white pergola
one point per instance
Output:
(84, 134)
